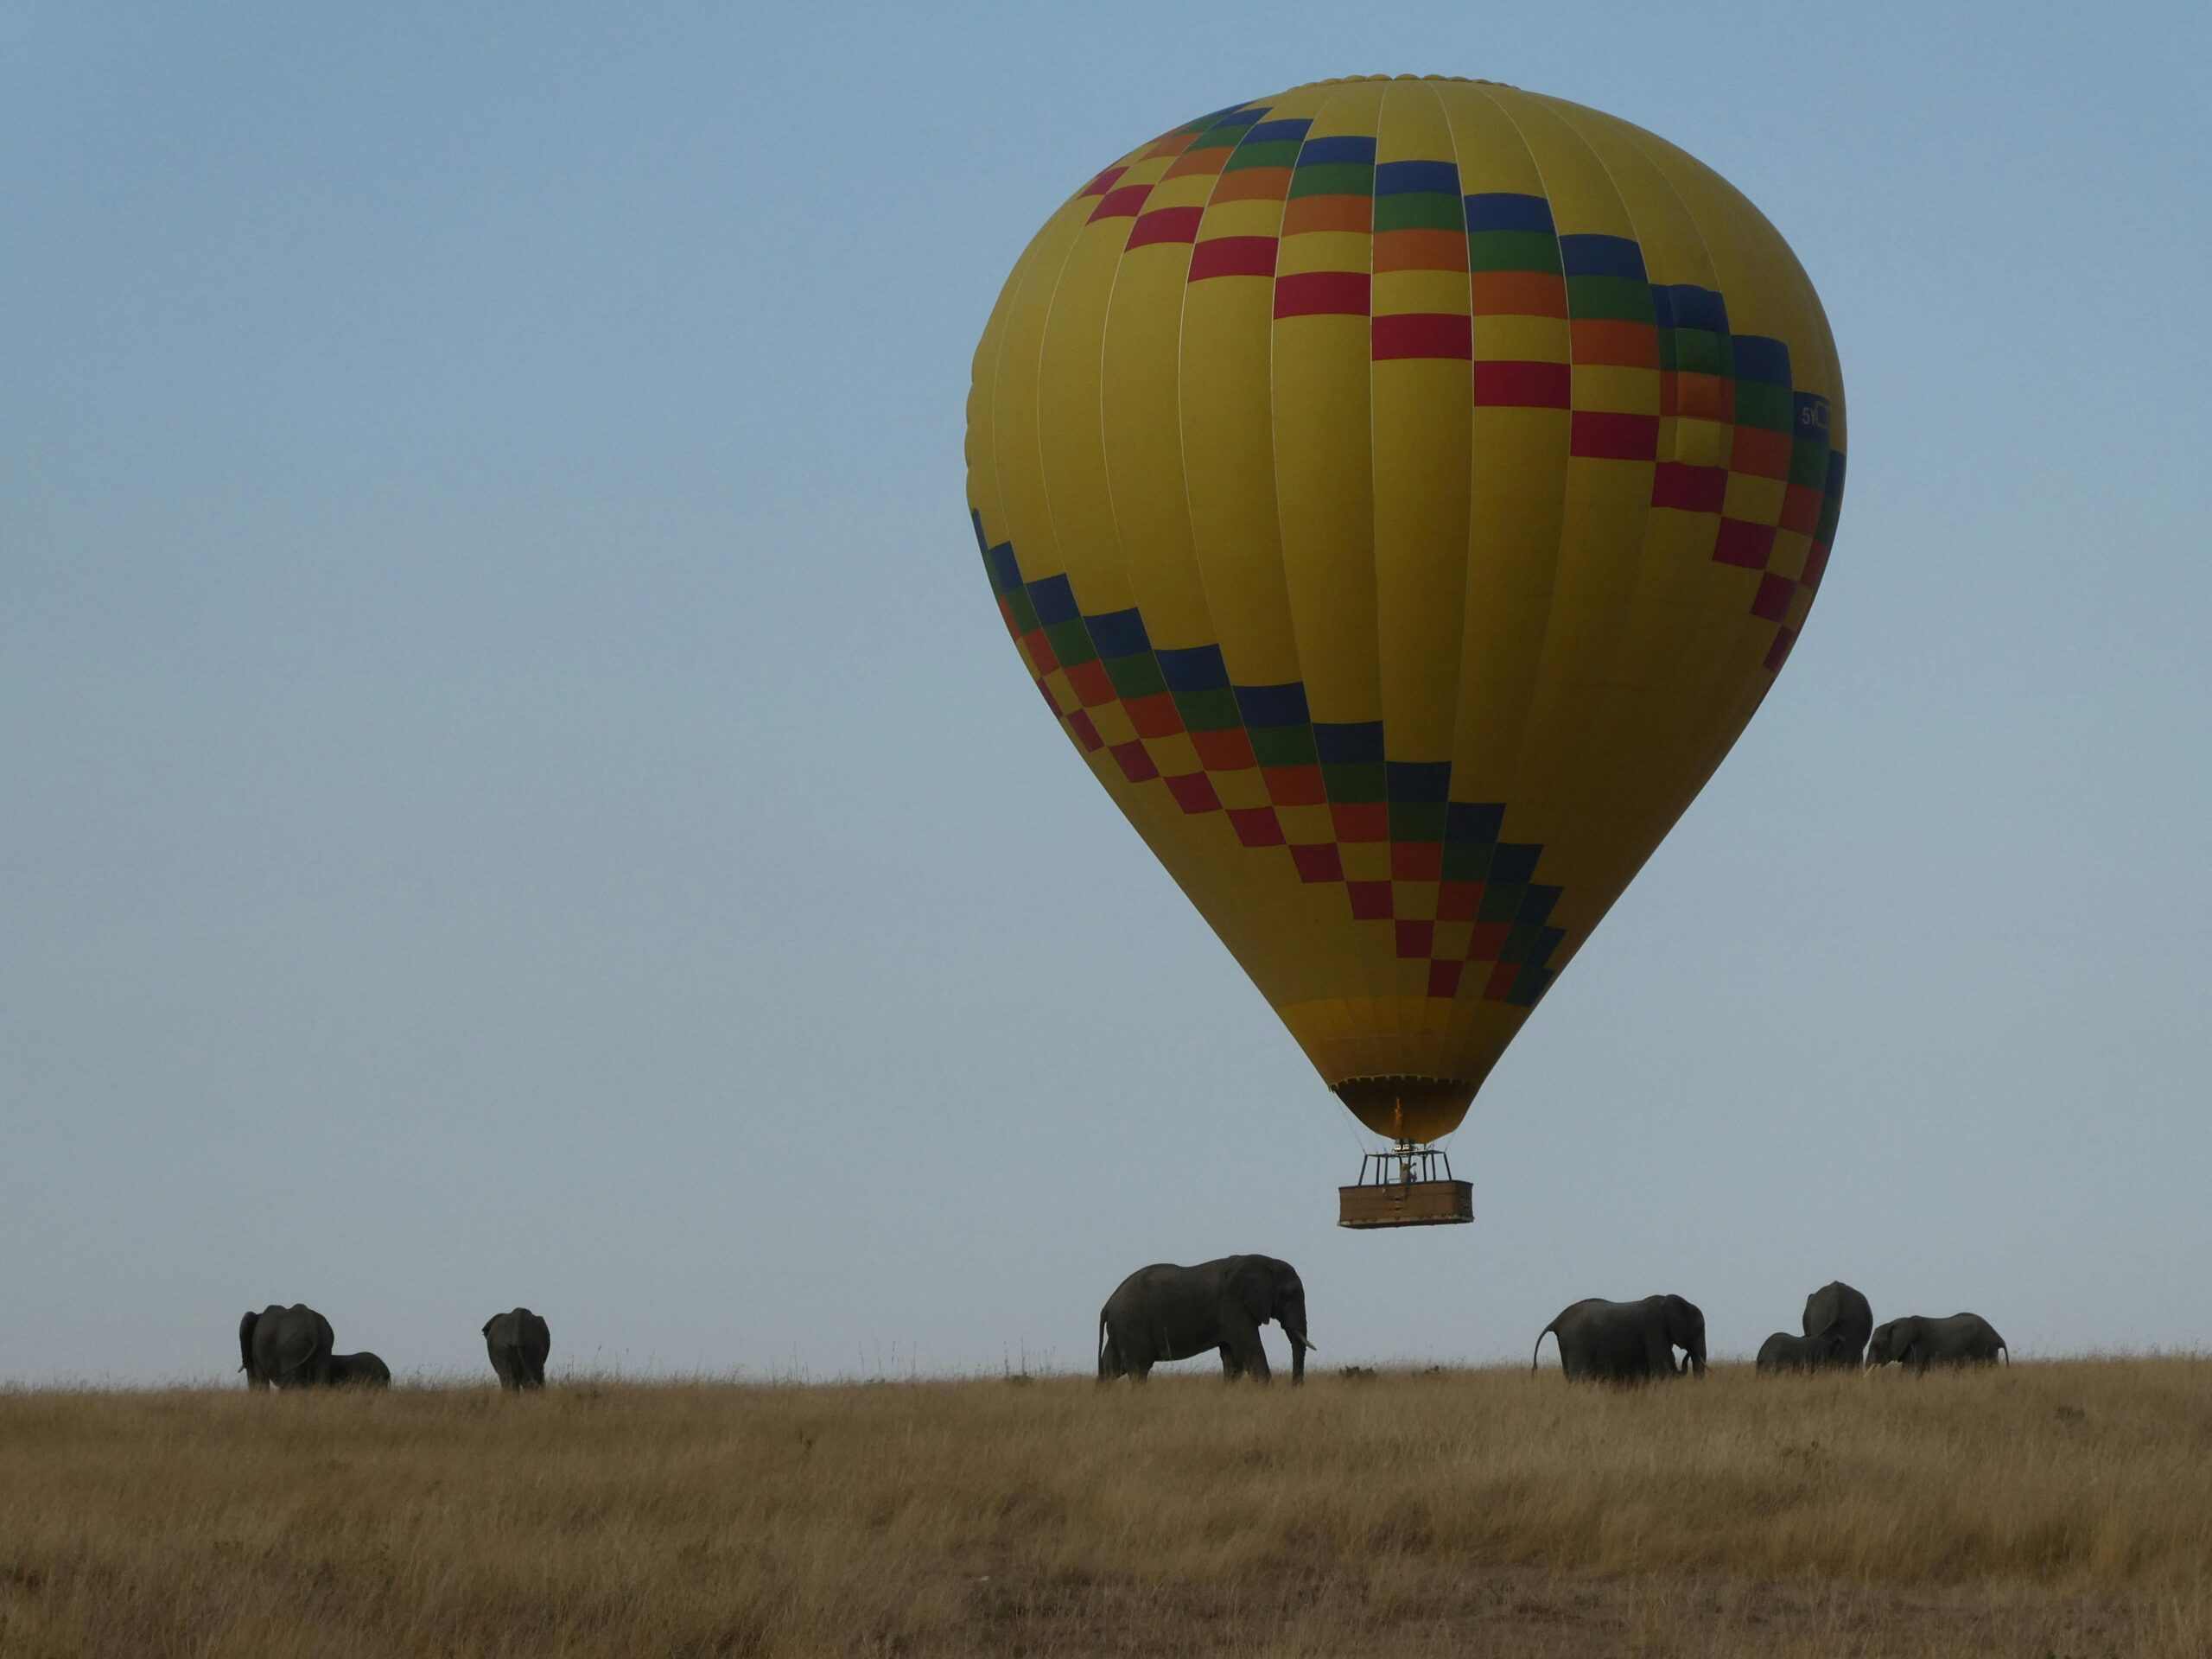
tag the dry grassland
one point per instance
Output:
(2057, 1508)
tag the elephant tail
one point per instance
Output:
(1548, 1331)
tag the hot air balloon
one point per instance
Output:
(1402, 492)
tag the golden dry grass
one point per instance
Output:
(2057, 1508)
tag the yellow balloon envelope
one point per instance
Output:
(1403, 491)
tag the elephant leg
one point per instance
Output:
(1245, 1354)
(1240, 1346)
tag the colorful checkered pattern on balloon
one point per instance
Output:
(1518, 264)
(1480, 880)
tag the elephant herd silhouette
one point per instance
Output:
(292, 1348)
(1165, 1313)
(1629, 1341)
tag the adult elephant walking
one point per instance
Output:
(1165, 1312)
(1836, 1306)
(285, 1347)
(358, 1371)
(1919, 1342)
(518, 1341)
(1625, 1342)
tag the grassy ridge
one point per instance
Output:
(2060, 1508)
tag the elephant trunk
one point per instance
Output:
(1298, 1347)
(1696, 1361)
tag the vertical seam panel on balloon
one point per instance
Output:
(1467, 551)
(1143, 800)
(1720, 697)
(1720, 693)
(1182, 469)
(1567, 112)
(1093, 757)
(999, 441)
(1720, 673)
(1551, 595)
(1449, 1038)
(1363, 1025)
(1711, 693)
(1275, 474)
(1389, 970)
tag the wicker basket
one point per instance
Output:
(1409, 1203)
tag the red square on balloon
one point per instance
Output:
(1416, 861)
(1361, 820)
(1092, 687)
(1135, 762)
(1155, 715)
(1256, 826)
(1746, 545)
(1486, 943)
(1458, 901)
(1193, 792)
(1370, 900)
(1229, 751)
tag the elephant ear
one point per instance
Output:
(1252, 1286)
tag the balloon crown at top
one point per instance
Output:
(1347, 80)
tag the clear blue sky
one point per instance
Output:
(515, 790)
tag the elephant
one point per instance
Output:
(518, 1341)
(288, 1347)
(1626, 1342)
(1837, 1305)
(1783, 1352)
(1920, 1341)
(1165, 1312)
(358, 1371)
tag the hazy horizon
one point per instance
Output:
(520, 794)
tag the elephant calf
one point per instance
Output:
(1919, 1342)
(518, 1341)
(1167, 1312)
(1626, 1342)
(1783, 1352)
(358, 1371)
